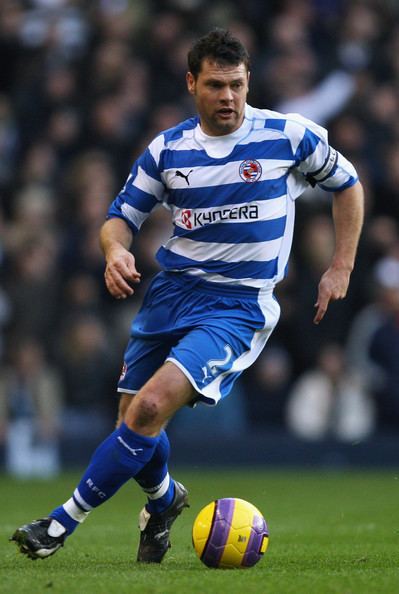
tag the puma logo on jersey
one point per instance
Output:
(180, 174)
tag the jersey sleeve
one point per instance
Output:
(319, 162)
(142, 192)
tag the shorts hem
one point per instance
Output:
(126, 391)
(205, 399)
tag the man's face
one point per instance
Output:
(220, 93)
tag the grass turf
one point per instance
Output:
(330, 533)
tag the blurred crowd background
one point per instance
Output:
(84, 86)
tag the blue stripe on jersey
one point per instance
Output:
(130, 194)
(236, 193)
(177, 131)
(307, 146)
(267, 149)
(147, 162)
(275, 124)
(137, 198)
(238, 270)
(235, 232)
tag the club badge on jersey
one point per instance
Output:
(250, 171)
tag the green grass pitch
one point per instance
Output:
(330, 533)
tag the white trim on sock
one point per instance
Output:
(81, 501)
(75, 511)
(160, 490)
(55, 529)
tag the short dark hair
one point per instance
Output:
(219, 46)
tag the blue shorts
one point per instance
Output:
(212, 333)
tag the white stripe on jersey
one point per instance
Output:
(215, 146)
(212, 277)
(148, 184)
(204, 177)
(137, 217)
(296, 126)
(263, 134)
(227, 252)
(189, 140)
(156, 147)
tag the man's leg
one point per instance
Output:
(120, 457)
(156, 518)
(154, 477)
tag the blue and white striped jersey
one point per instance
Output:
(232, 197)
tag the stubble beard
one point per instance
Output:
(222, 128)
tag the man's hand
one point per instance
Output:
(120, 271)
(333, 285)
(348, 220)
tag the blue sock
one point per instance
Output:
(119, 458)
(65, 519)
(154, 477)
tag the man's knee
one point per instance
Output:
(157, 401)
(145, 414)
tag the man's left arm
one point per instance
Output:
(348, 208)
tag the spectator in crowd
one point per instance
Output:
(31, 399)
(382, 302)
(384, 342)
(267, 389)
(34, 288)
(330, 401)
(316, 237)
(88, 371)
(230, 421)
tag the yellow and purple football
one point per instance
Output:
(230, 533)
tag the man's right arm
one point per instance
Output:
(120, 271)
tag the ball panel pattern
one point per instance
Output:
(202, 527)
(239, 535)
(213, 551)
(230, 533)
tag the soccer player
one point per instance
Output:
(230, 177)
